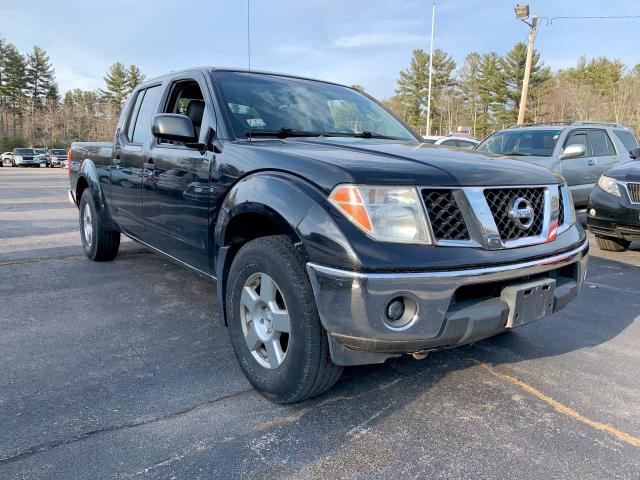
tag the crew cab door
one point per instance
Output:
(581, 173)
(127, 162)
(175, 191)
(603, 150)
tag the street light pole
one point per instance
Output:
(527, 69)
(433, 19)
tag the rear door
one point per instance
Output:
(603, 150)
(581, 173)
(127, 163)
(176, 182)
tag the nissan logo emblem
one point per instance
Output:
(521, 212)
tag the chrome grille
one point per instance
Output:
(500, 201)
(561, 199)
(634, 191)
(445, 215)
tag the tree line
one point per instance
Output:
(484, 92)
(33, 113)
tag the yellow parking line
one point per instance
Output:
(563, 409)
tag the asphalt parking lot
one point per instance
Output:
(123, 370)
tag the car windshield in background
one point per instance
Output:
(58, 152)
(24, 151)
(521, 142)
(285, 106)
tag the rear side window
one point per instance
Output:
(132, 115)
(142, 126)
(627, 138)
(601, 145)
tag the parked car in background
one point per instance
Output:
(613, 211)
(580, 151)
(331, 245)
(40, 154)
(55, 157)
(6, 157)
(24, 157)
(460, 141)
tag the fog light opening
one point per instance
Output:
(399, 311)
(592, 212)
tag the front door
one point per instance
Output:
(581, 173)
(176, 181)
(127, 170)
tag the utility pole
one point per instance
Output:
(522, 12)
(433, 19)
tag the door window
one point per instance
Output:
(627, 139)
(186, 99)
(131, 121)
(601, 145)
(142, 126)
(579, 138)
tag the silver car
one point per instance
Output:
(580, 151)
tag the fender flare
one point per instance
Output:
(283, 198)
(89, 174)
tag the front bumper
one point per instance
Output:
(453, 307)
(611, 216)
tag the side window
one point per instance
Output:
(627, 139)
(142, 127)
(601, 143)
(579, 138)
(451, 143)
(186, 99)
(133, 113)
(464, 144)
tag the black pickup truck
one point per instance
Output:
(335, 235)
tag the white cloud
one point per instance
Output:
(377, 40)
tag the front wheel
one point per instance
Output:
(612, 244)
(274, 326)
(98, 244)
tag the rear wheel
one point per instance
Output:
(274, 326)
(98, 243)
(612, 244)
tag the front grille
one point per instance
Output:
(445, 216)
(500, 201)
(634, 191)
(561, 215)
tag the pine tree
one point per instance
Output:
(469, 83)
(513, 66)
(492, 92)
(117, 84)
(14, 82)
(135, 78)
(412, 88)
(39, 79)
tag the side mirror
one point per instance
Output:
(573, 151)
(174, 127)
(634, 153)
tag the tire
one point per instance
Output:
(612, 244)
(98, 244)
(304, 368)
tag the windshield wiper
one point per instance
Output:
(282, 133)
(365, 134)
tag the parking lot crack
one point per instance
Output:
(44, 447)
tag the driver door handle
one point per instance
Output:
(149, 165)
(591, 162)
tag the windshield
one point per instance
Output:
(523, 142)
(58, 152)
(296, 106)
(24, 151)
(40, 150)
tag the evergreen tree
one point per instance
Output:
(135, 78)
(513, 67)
(492, 92)
(469, 83)
(14, 82)
(39, 79)
(117, 84)
(412, 88)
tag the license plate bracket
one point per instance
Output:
(529, 301)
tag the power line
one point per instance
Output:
(550, 20)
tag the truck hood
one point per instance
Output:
(384, 162)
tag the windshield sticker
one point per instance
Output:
(256, 122)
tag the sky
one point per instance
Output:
(346, 41)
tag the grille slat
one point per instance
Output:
(445, 215)
(634, 191)
(500, 201)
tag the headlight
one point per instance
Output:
(388, 214)
(609, 185)
(17, 158)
